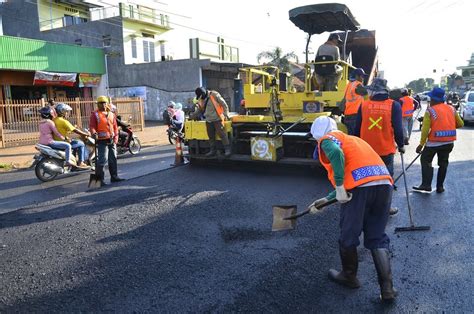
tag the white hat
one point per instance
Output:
(322, 126)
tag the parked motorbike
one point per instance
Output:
(128, 142)
(173, 134)
(49, 162)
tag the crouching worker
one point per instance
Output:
(364, 189)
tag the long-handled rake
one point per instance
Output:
(412, 226)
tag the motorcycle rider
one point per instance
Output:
(65, 128)
(178, 119)
(103, 126)
(124, 132)
(47, 129)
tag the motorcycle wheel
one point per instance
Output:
(135, 146)
(41, 173)
(172, 137)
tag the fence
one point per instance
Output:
(19, 119)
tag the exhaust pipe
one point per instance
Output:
(52, 168)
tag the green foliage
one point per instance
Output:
(420, 85)
(277, 58)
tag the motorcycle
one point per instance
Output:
(128, 142)
(173, 134)
(50, 162)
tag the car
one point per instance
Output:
(466, 109)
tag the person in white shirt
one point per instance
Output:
(178, 118)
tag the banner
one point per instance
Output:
(49, 78)
(89, 80)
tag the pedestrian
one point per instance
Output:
(353, 98)
(437, 138)
(408, 107)
(364, 189)
(215, 111)
(103, 126)
(379, 123)
(66, 128)
(47, 130)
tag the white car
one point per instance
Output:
(467, 107)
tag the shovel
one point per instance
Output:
(95, 179)
(284, 216)
(409, 165)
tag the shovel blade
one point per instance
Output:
(94, 182)
(280, 212)
(413, 228)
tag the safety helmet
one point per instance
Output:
(178, 106)
(61, 108)
(103, 99)
(171, 104)
(201, 93)
(45, 112)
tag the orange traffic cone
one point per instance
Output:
(178, 157)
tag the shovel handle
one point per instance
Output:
(320, 206)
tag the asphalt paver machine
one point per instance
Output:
(276, 124)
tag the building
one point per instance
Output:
(130, 36)
(467, 73)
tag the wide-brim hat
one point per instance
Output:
(437, 94)
(378, 85)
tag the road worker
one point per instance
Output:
(327, 75)
(437, 138)
(215, 111)
(353, 98)
(408, 107)
(379, 123)
(103, 126)
(364, 189)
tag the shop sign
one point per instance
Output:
(50, 78)
(89, 80)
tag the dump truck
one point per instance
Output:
(278, 116)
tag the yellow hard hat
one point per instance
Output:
(103, 99)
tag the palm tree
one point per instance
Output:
(277, 58)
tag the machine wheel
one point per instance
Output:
(41, 172)
(172, 137)
(135, 146)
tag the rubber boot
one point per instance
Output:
(101, 174)
(348, 276)
(227, 151)
(442, 171)
(426, 178)
(384, 274)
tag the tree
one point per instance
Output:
(420, 85)
(277, 58)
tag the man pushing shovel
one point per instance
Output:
(364, 189)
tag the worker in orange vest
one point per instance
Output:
(408, 107)
(379, 123)
(215, 111)
(103, 127)
(437, 138)
(364, 189)
(353, 98)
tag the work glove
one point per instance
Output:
(401, 150)
(341, 194)
(419, 149)
(313, 205)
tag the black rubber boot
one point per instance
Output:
(442, 171)
(426, 178)
(348, 276)
(384, 274)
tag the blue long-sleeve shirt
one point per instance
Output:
(396, 119)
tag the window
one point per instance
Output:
(134, 47)
(152, 51)
(68, 20)
(146, 52)
(106, 40)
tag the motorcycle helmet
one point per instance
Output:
(171, 104)
(113, 108)
(404, 91)
(178, 106)
(45, 112)
(61, 109)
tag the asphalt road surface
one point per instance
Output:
(198, 239)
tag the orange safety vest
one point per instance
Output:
(105, 125)
(376, 128)
(408, 106)
(217, 106)
(443, 123)
(362, 164)
(353, 101)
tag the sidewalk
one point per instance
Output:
(22, 156)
